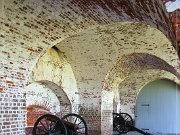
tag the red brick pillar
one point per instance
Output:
(175, 17)
(92, 116)
(106, 113)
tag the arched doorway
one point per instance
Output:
(45, 98)
(157, 108)
(53, 70)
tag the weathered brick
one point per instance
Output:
(29, 28)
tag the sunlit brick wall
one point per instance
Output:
(175, 17)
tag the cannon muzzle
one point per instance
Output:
(70, 125)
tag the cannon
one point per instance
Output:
(70, 124)
(123, 123)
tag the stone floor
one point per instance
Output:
(129, 133)
(132, 133)
(136, 133)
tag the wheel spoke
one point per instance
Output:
(81, 127)
(126, 118)
(75, 120)
(51, 125)
(43, 125)
(121, 122)
(47, 123)
(80, 122)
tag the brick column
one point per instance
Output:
(106, 113)
(92, 116)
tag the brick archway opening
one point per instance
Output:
(40, 100)
(33, 113)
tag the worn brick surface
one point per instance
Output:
(94, 37)
(33, 113)
(175, 17)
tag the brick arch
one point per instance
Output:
(131, 72)
(129, 88)
(134, 63)
(32, 27)
(39, 94)
(53, 70)
(45, 97)
(51, 23)
(163, 89)
(161, 75)
(127, 92)
(101, 47)
(65, 103)
(125, 75)
(40, 100)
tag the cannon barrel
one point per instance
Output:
(70, 125)
(138, 130)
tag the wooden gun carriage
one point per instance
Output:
(73, 124)
(123, 123)
(70, 124)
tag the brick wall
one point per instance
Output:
(12, 103)
(33, 113)
(12, 115)
(175, 17)
(30, 28)
(92, 116)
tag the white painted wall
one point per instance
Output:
(41, 95)
(54, 67)
(157, 107)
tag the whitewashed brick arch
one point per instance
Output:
(41, 95)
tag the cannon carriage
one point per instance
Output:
(70, 124)
(74, 124)
(123, 123)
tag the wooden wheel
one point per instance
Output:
(49, 125)
(79, 121)
(121, 122)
